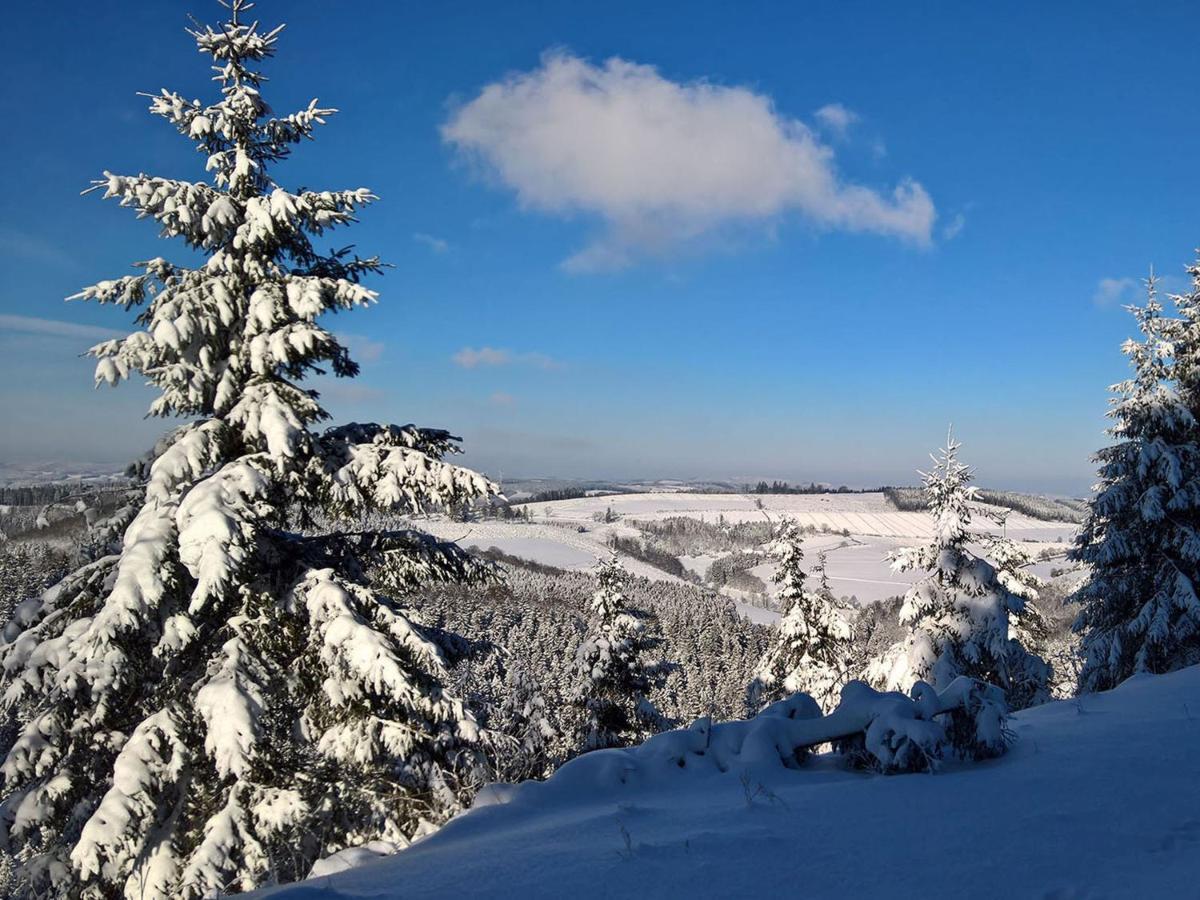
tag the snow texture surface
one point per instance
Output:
(1096, 799)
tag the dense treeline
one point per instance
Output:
(906, 499)
(733, 571)
(783, 487)
(27, 569)
(57, 491)
(533, 620)
(1046, 509)
(687, 536)
(570, 493)
(650, 554)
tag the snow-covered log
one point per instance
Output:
(887, 731)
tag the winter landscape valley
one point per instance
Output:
(752, 618)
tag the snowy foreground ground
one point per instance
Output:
(1099, 798)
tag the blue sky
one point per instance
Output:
(688, 263)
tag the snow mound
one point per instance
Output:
(1097, 798)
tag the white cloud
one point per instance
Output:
(471, 358)
(57, 328)
(500, 398)
(954, 227)
(436, 244)
(362, 348)
(663, 163)
(1114, 291)
(342, 390)
(836, 118)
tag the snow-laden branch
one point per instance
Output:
(390, 470)
(113, 838)
(372, 651)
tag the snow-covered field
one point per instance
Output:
(1098, 798)
(564, 547)
(857, 566)
(863, 514)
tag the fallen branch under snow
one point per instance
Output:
(888, 731)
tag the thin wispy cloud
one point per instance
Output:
(436, 244)
(472, 358)
(341, 390)
(362, 348)
(836, 118)
(500, 398)
(1114, 291)
(1173, 284)
(56, 328)
(954, 227)
(32, 249)
(621, 142)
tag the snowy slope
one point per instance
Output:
(1099, 798)
(551, 545)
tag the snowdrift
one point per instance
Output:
(1098, 797)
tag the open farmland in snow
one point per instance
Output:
(567, 535)
(863, 514)
(552, 545)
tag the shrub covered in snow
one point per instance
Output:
(224, 694)
(884, 731)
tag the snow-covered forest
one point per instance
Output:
(279, 647)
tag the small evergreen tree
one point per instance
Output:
(959, 614)
(813, 647)
(1030, 674)
(523, 717)
(228, 695)
(613, 679)
(1140, 609)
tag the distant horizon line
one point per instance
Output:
(43, 472)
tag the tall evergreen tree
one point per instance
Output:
(812, 649)
(613, 677)
(959, 614)
(228, 694)
(1140, 609)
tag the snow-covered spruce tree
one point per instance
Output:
(523, 717)
(227, 696)
(613, 679)
(1140, 609)
(812, 649)
(1030, 675)
(958, 615)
